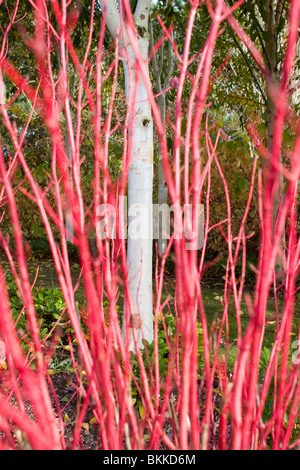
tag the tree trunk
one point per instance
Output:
(162, 184)
(271, 60)
(140, 182)
(157, 69)
(140, 176)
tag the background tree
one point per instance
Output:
(162, 69)
(265, 23)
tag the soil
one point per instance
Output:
(67, 397)
(90, 435)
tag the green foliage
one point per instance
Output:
(268, 408)
(162, 343)
(215, 274)
(40, 248)
(237, 166)
(58, 365)
(241, 184)
(49, 307)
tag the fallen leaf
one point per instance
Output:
(142, 411)
(93, 421)
(53, 372)
(85, 426)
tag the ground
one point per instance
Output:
(64, 381)
(89, 436)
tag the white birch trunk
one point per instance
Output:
(140, 181)
(140, 177)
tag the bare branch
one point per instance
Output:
(161, 62)
(250, 67)
(279, 10)
(170, 68)
(154, 56)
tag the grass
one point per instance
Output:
(214, 313)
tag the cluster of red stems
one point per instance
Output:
(104, 356)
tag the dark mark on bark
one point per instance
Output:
(141, 31)
(146, 122)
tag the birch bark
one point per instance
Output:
(140, 176)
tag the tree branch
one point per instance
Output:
(170, 68)
(154, 54)
(249, 67)
(263, 45)
(279, 10)
(161, 62)
(112, 15)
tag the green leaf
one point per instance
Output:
(37, 229)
